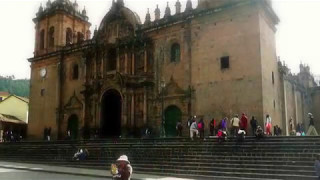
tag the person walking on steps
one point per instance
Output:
(194, 129)
(254, 124)
(212, 126)
(312, 130)
(244, 122)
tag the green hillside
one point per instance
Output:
(19, 87)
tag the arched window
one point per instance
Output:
(51, 37)
(75, 72)
(80, 37)
(88, 35)
(69, 36)
(175, 52)
(42, 39)
(112, 60)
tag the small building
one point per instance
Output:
(14, 115)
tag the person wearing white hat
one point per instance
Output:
(124, 168)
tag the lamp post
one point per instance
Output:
(163, 131)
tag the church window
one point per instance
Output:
(42, 39)
(42, 92)
(225, 64)
(274, 104)
(69, 36)
(272, 77)
(112, 60)
(88, 35)
(51, 37)
(80, 37)
(75, 72)
(175, 52)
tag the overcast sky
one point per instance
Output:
(298, 34)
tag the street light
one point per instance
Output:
(163, 131)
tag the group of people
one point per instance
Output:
(11, 136)
(238, 125)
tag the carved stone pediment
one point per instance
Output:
(73, 103)
(173, 88)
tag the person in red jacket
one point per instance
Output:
(244, 122)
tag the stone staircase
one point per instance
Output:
(270, 158)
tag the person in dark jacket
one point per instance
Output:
(212, 126)
(179, 128)
(254, 124)
(317, 166)
(259, 133)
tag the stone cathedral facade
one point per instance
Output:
(214, 60)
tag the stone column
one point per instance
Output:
(126, 61)
(132, 110)
(145, 59)
(102, 67)
(295, 104)
(118, 60)
(124, 110)
(145, 106)
(133, 63)
(285, 108)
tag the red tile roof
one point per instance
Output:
(2, 93)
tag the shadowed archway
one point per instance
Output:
(73, 126)
(172, 116)
(111, 108)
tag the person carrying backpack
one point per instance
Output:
(201, 128)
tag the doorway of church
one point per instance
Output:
(110, 119)
(172, 116)
(73, 126)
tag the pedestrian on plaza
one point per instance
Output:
(291, 125)
(312, 130)
(241, 135)
(235, 122)
(179, 128)
(259, 133)
(222, 136)
(254, 124)
(298, 129)
(244, 122)
(190, 121)
(201, 128)
(122, 170)
(45, 133)
(68, 138)
(317, 166)
(4, 137)
(268, 125)
(194, 129)
(49, 134)
(212, 126)
(276, 130)
(224, 124)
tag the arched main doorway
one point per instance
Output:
(172, 116)
(73, 126)
(110, 121)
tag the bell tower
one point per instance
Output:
(58, 24)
